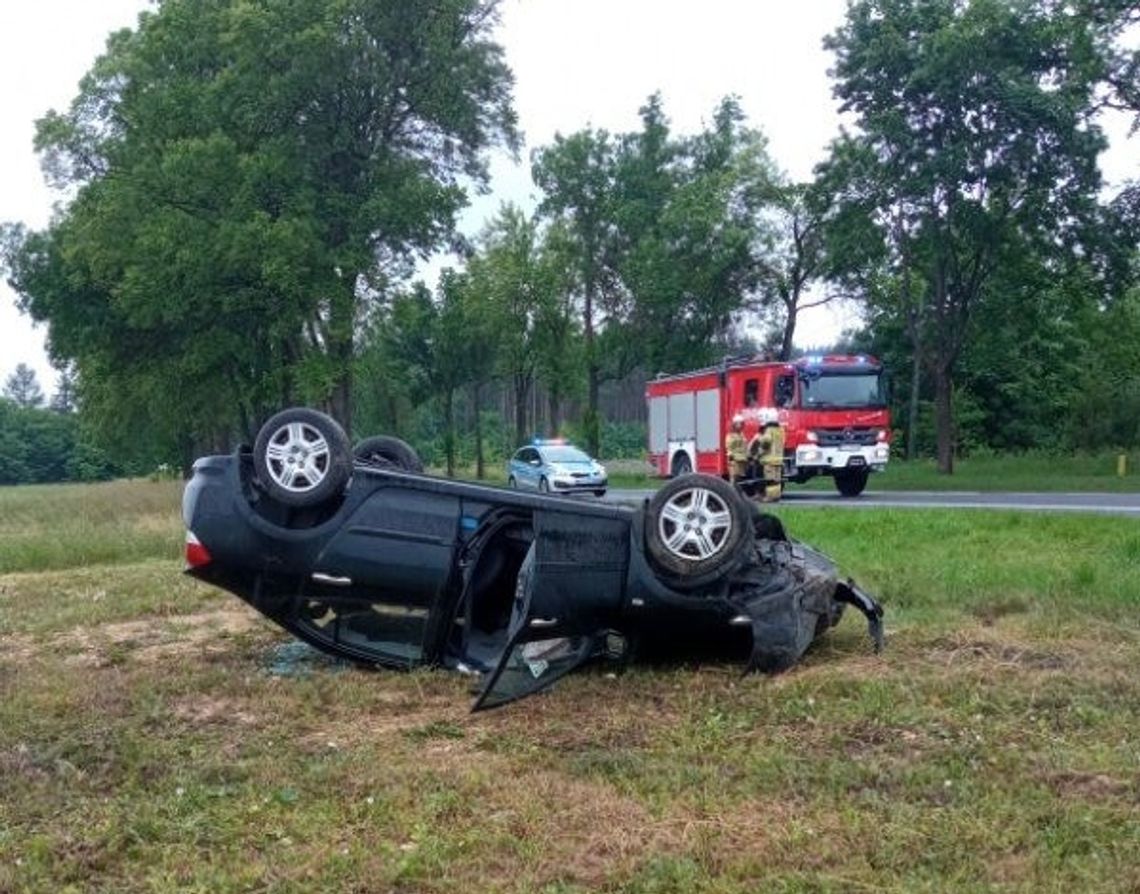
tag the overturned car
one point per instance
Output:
(362, 555)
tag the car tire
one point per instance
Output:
(850, 482)
(385, 452)
(543, 486)
(302, 457)
(599, 493)
(681, 464)
(720, 520)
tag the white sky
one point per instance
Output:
(576, 63)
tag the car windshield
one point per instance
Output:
(564, 454)
(843, 391)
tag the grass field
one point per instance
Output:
(1024, 472)
(145, 746)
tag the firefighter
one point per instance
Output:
(736, 449)
(768, 443)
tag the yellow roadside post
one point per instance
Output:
(1122, 464)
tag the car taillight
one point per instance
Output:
(196, 554)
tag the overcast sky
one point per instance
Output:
(576, 63)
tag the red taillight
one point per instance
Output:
(196, 554)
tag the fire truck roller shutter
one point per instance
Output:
(708, 420)
(658, 424)
(682, 417)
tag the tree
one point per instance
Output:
(576, 174)
(689, 264)
(794, 256)
(22, 387)
(250, 178)
(64, 399)
(974, 144)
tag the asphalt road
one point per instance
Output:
(1107, 503)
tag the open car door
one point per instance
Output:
(541, 647)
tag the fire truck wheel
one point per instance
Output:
(694, 528)
(302, 457)
(850, 482)
(681, 464)
(385, 452)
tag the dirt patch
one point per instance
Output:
(1090, 786)
(150, 640)
(17, 648)
(960, 650)
(204, 710)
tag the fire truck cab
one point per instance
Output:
(833, 409)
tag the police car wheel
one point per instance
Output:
(694, 528)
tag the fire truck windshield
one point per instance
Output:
(849, 391)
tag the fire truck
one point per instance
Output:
(833, 409)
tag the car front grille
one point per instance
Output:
(847, 437)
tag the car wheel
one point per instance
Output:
(302, 457)
(681, 465)
(850, 482)
(599, 493)
(386, 452)
(694, 528)
(543, 486)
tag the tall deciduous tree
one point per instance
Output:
(974, 141)
(250, 176)
(576, 174)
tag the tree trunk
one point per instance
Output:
(449, 430)
(554, 406)
(476, 395)
(912, 405)
(522, 392)
(789, 331)
(944, 418)
(593, 436)
(340, 331)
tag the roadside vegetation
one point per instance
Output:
(239, 232)
(146, 743)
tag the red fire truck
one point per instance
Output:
(833, 409)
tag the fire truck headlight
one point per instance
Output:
(882, 452)
(810, 456)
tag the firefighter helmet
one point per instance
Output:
(768, 417)
(737, 421)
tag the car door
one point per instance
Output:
(531, 465)
(376, 590)
(567, 596)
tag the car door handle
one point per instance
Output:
(333, 580)
(543, 622)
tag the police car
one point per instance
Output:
(555, 466)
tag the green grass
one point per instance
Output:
(144, 747)
(1028, 472)
(68, 526)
